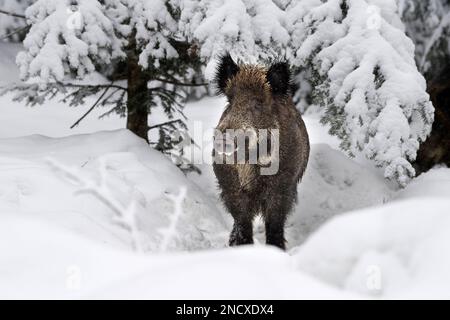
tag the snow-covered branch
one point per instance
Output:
(67, 39)
(125, 216)
(374, 98)
(251, 30)
(169, 232)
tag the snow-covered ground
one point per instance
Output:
(351, 235)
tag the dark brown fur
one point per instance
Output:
(258, 98)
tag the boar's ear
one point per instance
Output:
(279, 78)
(226, 69)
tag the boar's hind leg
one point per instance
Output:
(275, 230)
(275, 212)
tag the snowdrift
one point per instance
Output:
(47, 262)
(400, 250)
(57, 243)
(29, 186)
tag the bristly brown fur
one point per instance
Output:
(249, 79)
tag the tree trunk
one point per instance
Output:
(137, 93)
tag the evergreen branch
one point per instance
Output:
(118, 104)
(181, 83)
(110, 111)
(74, 85)
(167, 94)
(164, 124)
(91, 108)
(166, 91)
(53, 94)
(105, 101)
(12, 14)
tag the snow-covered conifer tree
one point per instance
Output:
(251, 30)
(354, 54)
(365, 78)
(428, 25)
(358, 61)
(135, 43)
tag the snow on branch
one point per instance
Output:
(66, 39)
(125, 216)
(252, 30)
(154, 24)
(169, 232)
(374, 98)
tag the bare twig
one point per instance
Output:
(91, 108)
(170, 232)
(14, 32)
(74, 85)
(123, 215)
(12, 14)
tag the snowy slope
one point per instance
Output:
(351, 235)
(400, 250)
(30, 186)
(74, 267)
(54, 236)
(53, 227)
(51, 224)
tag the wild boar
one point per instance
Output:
(260, 119)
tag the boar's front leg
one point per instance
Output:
(242, 232)
(242, 213)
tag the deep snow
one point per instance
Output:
(352, 234)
